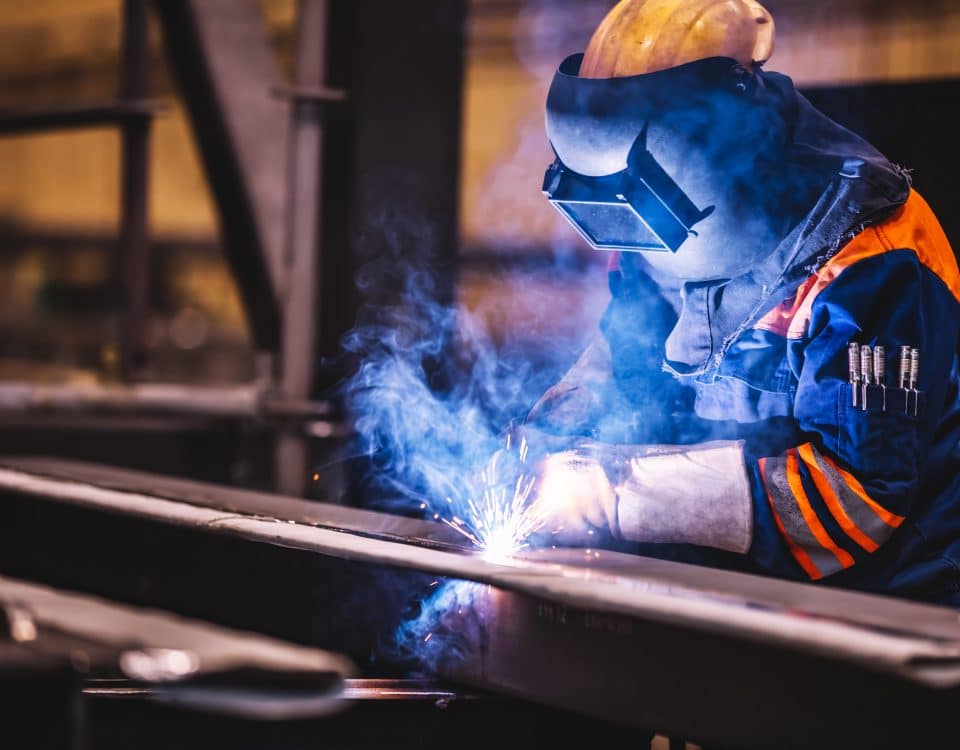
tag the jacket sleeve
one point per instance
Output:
(831, 501)
(574, 404)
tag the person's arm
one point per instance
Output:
(617, 390)
(840, 493)
(575, 403)
(837, 496)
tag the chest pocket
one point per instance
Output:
(753, 382)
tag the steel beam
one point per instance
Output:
(720, 658)
(88, 115)
(133, 262)
(221, 58)
(239, 401)
(187, 663)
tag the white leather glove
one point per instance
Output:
(574, 498)
(659, 494)
(693, 495)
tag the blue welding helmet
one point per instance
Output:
(643, 162)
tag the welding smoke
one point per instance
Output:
(449, 625)
(434, 390)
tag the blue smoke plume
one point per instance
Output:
(434, 391)
(450, 625)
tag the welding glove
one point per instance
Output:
(574, 498)
(656, 494)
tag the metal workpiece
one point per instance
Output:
(613, 636)
(220, 54)
(303, 249)
(175, 660)
(253, 401)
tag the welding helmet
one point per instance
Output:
(670, 164)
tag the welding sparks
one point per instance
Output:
(497, 516)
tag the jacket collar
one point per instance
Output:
(863, 188)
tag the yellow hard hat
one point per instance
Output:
(644, 36)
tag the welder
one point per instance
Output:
(775, 383)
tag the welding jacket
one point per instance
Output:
(861, 498)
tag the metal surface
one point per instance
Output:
(353, 690)
(311, 93)
(133, 262)
(182, 662)
(713, 656)
(401, 690)
(406, 715)
(221, 58)
(156, 398)
(223, 502)
(302, 258)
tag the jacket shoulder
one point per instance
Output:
(913, 227)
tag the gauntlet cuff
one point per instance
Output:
(691, 495)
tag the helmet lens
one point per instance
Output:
(611, 226)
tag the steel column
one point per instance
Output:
(302, 264)
(221, 57)
(395, 160)
(133, 259)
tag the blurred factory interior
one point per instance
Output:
(188, 190)
(108, 147)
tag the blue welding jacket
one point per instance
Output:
(865, 499)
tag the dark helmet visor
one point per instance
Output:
(640, 209)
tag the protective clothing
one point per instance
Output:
(700, 496)
(644, 36)
(863, 498)
(574, 497)
(658, 494)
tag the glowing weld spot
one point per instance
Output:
(499, 517)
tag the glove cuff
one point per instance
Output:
(698, 495)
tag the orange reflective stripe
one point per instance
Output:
(891, 519)
(809, 515)
(832, 501)
(914, 227)
(802, 558)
